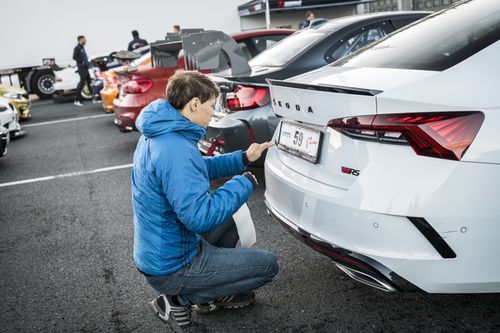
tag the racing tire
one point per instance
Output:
(42, 83)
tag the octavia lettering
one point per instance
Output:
(288, 106)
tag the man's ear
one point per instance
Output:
(194, 103)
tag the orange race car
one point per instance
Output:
(111, 79)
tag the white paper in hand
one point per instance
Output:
(245, 226)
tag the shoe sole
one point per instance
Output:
(216, 307)
(170, 321)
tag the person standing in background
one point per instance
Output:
(309, 17)
(82, 62)
(136, 41)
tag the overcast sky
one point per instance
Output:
(34, 29)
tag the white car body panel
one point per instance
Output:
(68, 78)
(368, 214)
(9, 119)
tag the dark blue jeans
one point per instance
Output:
(218, 271)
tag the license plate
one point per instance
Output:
(300, 141)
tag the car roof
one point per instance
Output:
(338, 23)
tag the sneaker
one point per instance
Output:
(78, 103)
(228, 302)
(177, 316)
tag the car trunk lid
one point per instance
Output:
(307, 108)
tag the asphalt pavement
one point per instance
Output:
(66, 236)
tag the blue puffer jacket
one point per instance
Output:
(171, 190)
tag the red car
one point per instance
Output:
(147, 83)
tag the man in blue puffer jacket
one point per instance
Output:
(173, 208)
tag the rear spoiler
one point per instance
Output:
(125, 56)
(201, 50)
(325, 87)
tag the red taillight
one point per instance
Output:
(110, 78)
(137, 86)
(445, 135)
(245, 97)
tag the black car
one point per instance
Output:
(243, 113)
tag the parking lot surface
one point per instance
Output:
(66, 236)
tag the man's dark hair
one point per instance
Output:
(177, 27)
(80, 37)
(309, 13)
(183, 86)
(135, 34)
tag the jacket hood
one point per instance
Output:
(160, 117)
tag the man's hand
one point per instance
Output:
(251, 178)
(256, 149)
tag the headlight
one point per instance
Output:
(12, 95)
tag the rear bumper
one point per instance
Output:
(127, 109)
(126, 114)
(108, 95)
(234, 136)
(355, 265)
(358, 220)
(237, 131)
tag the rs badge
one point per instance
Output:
(350, 171)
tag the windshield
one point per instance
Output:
(283, 51)
(439, 42)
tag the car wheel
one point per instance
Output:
(86, 92)
(42, 83)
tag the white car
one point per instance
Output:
(67, 80)
(9, 125)
(389, 161)
(9, 119)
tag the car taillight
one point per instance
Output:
(245, 97)
(109, 78)
(445, 135)
(137, 86)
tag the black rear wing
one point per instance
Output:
(200, 50)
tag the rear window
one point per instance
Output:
(437, 43)
(288, 48)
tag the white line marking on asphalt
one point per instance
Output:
(71, 174)
(67, 120)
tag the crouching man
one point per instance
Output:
(184, 237)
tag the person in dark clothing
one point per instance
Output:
(136, 42)
(309, 17)
(82, 62)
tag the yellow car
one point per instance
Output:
(19, 98)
